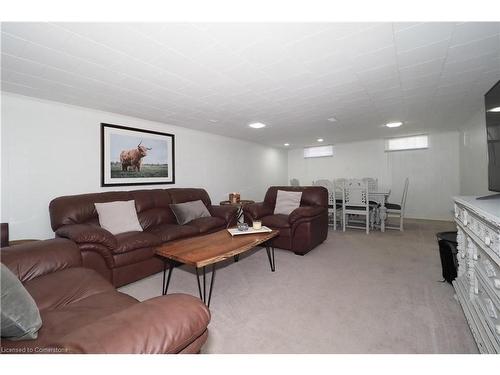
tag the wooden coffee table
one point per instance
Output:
(209, 250)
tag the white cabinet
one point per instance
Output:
(478, 282)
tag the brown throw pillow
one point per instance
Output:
(185, 212)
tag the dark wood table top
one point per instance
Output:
(211, 248)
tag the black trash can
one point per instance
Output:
(448, 253)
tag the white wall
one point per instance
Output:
(51, 149)
(474, 156)
(433, 173)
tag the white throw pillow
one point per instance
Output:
(118, 217)
(287, 201)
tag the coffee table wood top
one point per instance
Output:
(211, 248)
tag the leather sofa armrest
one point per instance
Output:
(84, 233)
(257, 210)
(227, 212)
(34, 259)
(165, 324)
(305, 212)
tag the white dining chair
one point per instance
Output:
(333, 207)
(398, 210)
(355, 202)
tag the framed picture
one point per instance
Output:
(131, 156)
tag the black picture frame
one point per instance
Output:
(135, 171)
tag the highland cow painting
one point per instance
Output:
(132, 156)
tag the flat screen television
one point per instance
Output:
(492, 106)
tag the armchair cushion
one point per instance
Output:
(276, 221)
(135, 240)
(258, 210)
(86, 233)
(305, 212)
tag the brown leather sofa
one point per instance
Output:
(83, 313)
(302, 230)
(128, 257)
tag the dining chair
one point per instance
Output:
(355, 202)
(294, 182)
(398, 210)
(333, 206)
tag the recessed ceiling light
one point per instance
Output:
(213, 121)
(320, 139)
(257, 125)
(496, 109)
(332, 119)
(286, 144)
(394, 124)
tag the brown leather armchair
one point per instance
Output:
(83, 313)
(302, 230)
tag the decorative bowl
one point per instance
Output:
(242, 227)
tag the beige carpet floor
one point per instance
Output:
(355, 293)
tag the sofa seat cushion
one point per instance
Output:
(65, 287)
(276, 221)
(170, 232)
(135, 240)
(206, 224)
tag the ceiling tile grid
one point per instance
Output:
(218, 77)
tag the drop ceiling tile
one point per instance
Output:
(12, 45)
(369, 40)
(379, 58)
(411, 81)
(49, 56)
(398, 26)
(476, 48)
(181, 37)
(470, 31)
(422, 35)
(21, 65)
(378, 74)
(423, 69)
(429, 52)
(38, 32)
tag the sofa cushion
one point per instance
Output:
(187, 211)
(118, 217)
(135, 240)
(20, 316)
(276, 221)
(206, 224)
(287, 201)
(170, 232)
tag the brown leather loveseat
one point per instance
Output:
(83, 313)
(301, 231)
(129, 256)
